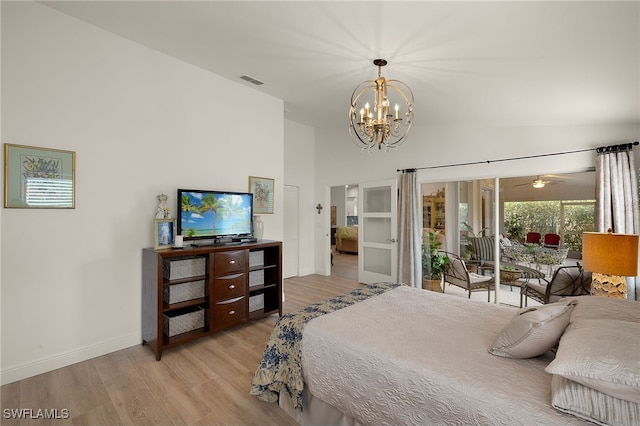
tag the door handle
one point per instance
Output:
(393, 240)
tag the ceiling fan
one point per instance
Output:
(538, 182)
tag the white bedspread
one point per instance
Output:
(412, 356)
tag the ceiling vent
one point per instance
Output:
(251, 80)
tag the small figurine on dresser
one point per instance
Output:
(162, 212)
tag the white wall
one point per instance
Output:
(352, 200)
(299, 170)
(141, 123)
(339, 200)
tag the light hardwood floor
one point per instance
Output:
(202, 383)
(345, 265)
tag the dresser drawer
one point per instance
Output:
(229, 262)
(229, 313)
(229, 287)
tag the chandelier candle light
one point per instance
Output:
(371, 122)
(610, 257)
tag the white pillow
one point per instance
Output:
(593, 307)
(603, 354)
(533, 331)
(584, 402)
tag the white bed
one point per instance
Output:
(410, 356)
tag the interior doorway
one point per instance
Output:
(344, 214)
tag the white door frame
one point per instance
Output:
(323, 222)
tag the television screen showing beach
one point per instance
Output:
(215, 214)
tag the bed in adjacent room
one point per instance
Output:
(390, 354)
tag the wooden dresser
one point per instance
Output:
(195, 291)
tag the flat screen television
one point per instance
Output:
(214, 215)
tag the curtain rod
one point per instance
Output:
(616, 148)
(610, 148)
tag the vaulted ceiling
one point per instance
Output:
(520, 63)
(481, 63)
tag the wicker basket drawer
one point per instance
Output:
(256, 278)
(256, 302)
(256, 258)
(229, 287)
(175, 269)
(230, 262)
(179, 322)
(183, 292)
(228, 314)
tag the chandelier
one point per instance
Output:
(371, 122)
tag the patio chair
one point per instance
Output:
(458, 275)
(566, 281)
(533, 238)
(551, 240)
(482, 248)
(527, 275)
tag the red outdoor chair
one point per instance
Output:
(533, 238)
(552, 240)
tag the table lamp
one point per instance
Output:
(610, 257)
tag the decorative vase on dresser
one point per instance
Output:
(258, 227)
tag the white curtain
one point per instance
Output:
(617, 199)
(409, 234)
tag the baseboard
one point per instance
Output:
(305, 271)
(44, 365)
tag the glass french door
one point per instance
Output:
(378, 232)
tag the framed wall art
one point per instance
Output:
(165, 233)
(41, 178)
(262, 190)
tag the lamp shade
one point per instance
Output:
(610, 254)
